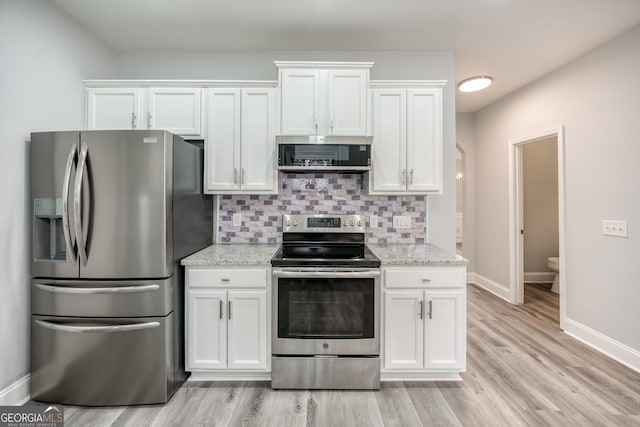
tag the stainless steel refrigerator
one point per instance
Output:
(113, 212)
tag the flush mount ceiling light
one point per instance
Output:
(474, 84)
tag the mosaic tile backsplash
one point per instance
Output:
(327, 193)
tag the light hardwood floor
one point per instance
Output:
(521, 371)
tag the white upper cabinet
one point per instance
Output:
(178, 110)
(240, 147)
(407, 138)
(114, 108)
(323, 98)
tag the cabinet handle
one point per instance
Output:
(331, 119)
(220, 309)
(133, 120)
(235, 175)
(425, 280)
(411, 177)
(225, 280)
(421, 311)
(403, 176)
(149, 120)
(316, 119)
(243, 177)
(430, 309)
(229, 310)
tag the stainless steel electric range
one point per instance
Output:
(326, 305)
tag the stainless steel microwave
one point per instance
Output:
(324, 153)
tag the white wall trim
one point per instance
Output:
(16, 394)
(493, 287)
(605, 345)
(538, 276)
(516, 248)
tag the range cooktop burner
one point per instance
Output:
(324, 241)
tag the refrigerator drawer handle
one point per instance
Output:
(94, 291)
(73, 254)
(84, 329)
(77, 203)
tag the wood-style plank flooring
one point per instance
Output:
(521, 371)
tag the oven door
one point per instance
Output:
(326, 312)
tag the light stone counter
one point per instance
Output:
(233, 255)
(406, 254)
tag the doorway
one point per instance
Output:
(518, 149)
(460, 198)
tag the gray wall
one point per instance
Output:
(258, 65)
(465, 128)
(540, 203)
(45, 55)
(596, 98)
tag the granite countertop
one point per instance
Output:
(261, 254)
(233, 255)
(407, 254)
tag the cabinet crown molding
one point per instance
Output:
(323, 64)
(180, 83)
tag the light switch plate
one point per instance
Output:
(614, 228)
(373, 221)
(237, 220)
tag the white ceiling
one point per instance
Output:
(515, 41)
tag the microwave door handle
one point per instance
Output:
(77, 204)
(71, 248)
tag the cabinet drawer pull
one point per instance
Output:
(220, 310)
(430, 309)
(225, 280)
(424, 280)
(421, 310)
(229, 310)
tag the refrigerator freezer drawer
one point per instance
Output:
(102, 298)
(101, 362)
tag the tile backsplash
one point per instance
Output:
(326, 193)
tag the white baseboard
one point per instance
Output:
(605, 345)
(491, 286)
(16, 394)
(539, 277)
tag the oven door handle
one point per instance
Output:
(328, 274)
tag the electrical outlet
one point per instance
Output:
(373, 221)
(401, 222)
(237, 219)
(614, 228)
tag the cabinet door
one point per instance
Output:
(444, 331)
(299, 102)
(247, 330)
(389, 140)
(403, 330)
(206, 330)
(113, 108)
(424, 139)
(177, 110)
(257, 151)
(222, 147)
(347, 109)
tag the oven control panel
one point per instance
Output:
(323, 223)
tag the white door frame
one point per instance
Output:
(516, 222)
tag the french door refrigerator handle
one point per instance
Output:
(77, 203)
(95, 291)
(113, 328)
(71, 249)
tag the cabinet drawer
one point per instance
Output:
(214, 278)
(434, 277)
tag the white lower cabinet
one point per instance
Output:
(424, 320)
(227, 327)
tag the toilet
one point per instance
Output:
(553, 262)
